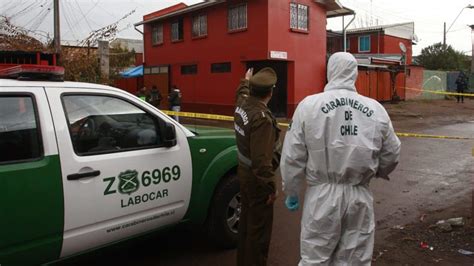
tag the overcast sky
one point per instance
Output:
(79, 17)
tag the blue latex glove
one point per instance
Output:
(292, 203)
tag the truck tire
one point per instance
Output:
(224, 214)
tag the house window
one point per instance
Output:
(237, 17)
(157, 34)
(348, 43)
(177, 30)
(200, 26)
(155, 70)
(189, 69)
(298, 16)
(364, 43)
(221, 67)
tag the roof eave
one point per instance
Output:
(344, 11)
(335, 9)
(189, 9)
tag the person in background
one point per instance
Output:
(461, 83)
(143, 94)
(338, 141)
(174, 100)
(155, 97)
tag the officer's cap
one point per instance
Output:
(264, 80)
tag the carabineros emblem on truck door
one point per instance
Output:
(128, 182)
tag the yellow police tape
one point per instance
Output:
(200, 115)
(443, 92)
(231, 118)
(428, 136)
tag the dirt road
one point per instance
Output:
(434, 181)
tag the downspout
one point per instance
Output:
(378, 41)
(143, 55)
(344, 32)
(135, 27)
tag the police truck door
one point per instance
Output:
(120, 177)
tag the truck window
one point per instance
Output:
(19, 133)
(104, 124)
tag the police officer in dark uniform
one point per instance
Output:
(462, 83)
(257, 135)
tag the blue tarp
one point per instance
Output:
(133, 72)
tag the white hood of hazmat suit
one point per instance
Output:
(338, 141)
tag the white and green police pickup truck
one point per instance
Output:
(84, 166)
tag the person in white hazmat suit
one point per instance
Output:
(338, 141)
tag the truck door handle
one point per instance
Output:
(83, 175)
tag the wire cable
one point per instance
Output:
(66, 18)
(83, 16)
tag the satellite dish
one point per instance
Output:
(402, 47)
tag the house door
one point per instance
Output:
(158, 76)
(278, 103)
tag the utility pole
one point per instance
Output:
(57, 37)
(444, 35)
(472, 65)
(104, 59)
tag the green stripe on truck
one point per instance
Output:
(31, 212)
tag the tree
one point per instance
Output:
(120, 59)
(442, 57)
(15, 38)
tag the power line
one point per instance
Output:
(39, 17)
(41, 20)
(26, 9)
(83, 16)
(107, 12)
(383, 9)
(88, 11)
(73, 18)
(66, 18)
(11, 6)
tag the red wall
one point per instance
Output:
(306, 50)
(391, 46)
(267, 30)
(414, 81)
(129, 84)
(376, 46)
(206, 91)
(387, 45)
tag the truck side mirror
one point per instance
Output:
(169, 135)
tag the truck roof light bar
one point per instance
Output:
(33, 72)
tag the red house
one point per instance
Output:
(384, 54)
(206, 48)
(377, 41)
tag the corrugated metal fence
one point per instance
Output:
(434, 81)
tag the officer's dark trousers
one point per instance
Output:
(256, 219)
(460, 97)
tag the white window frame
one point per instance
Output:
(156, 33)
(301, 22)
(359, 44)
(241, 18)
(199, 26)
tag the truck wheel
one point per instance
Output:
(224, 216)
